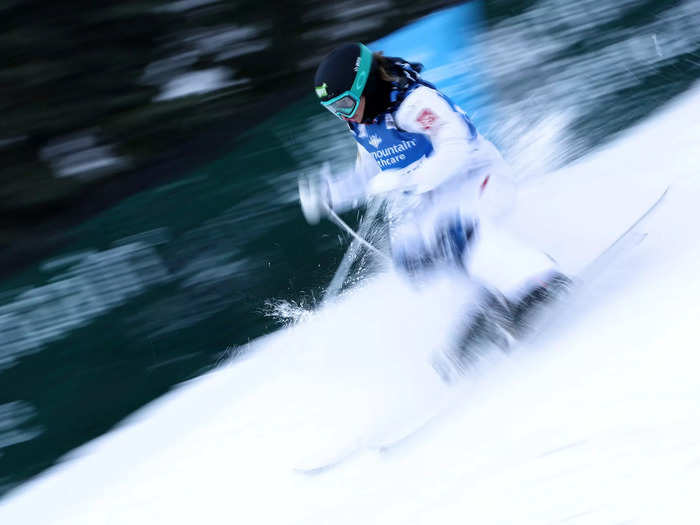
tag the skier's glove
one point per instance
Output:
(314, 195)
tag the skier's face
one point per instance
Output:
(357, 117)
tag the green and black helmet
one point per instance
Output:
(341, 78)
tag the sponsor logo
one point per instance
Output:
(357, 65)
(389, 157)
(375, 141)
(427, 119)
(322, 91)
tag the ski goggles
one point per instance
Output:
(345, 105)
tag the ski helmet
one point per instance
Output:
(341, 78)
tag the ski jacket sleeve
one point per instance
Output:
(349, 190)
(454, 142)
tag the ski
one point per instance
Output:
(313, 468)
(624, 240)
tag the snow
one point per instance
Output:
(81, 155)
(12, 415)
(198, 83)
(593, 421)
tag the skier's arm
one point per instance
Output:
(349, 189)
(453, 139)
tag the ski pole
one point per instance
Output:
(342, 225)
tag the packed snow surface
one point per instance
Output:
(596, 420)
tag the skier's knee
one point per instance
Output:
(450, 247)
(455, 238)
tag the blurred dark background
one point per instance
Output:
(102, 99)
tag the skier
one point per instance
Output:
(426, 156)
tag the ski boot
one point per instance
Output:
(484, 330)
(524, 311)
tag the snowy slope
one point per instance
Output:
(595, 421)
